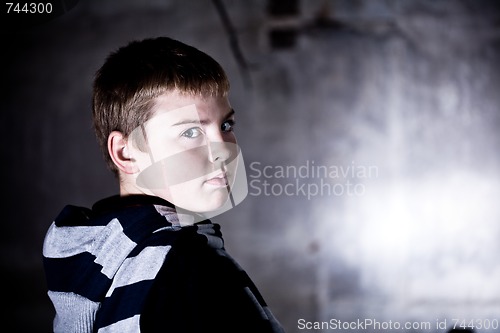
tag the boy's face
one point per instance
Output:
(190, 156)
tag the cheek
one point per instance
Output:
(187, 165)
(178, 168)
(163, 148)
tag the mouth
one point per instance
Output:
(219, 180)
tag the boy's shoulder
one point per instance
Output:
(72, 215)
(106, 209)
(138, 217)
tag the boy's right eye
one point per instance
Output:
(192, 133)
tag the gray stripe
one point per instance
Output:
(142, 267)
(74, 313)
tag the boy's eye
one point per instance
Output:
(227, 126)
(192, 133)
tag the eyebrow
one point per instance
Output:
(202, 121)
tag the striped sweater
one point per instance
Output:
(126, 265)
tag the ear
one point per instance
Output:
(119, 151)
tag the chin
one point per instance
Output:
(207, 204)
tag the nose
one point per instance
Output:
(219, 150)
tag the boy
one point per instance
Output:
(149, 260)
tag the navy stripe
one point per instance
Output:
(125, 302)
(137, 222)
(73, 216)
(78, 274)
(160, 238)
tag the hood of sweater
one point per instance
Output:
(84, 248)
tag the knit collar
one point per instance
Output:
(117, 202)
(174, 215)
(206, 228)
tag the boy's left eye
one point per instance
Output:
(227, 126)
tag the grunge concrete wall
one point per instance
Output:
(370, 137)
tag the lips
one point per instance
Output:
(219, 180)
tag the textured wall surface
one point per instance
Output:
(371, 145)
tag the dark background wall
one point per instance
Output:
(398, 100)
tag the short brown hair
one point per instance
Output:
(133, 76)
